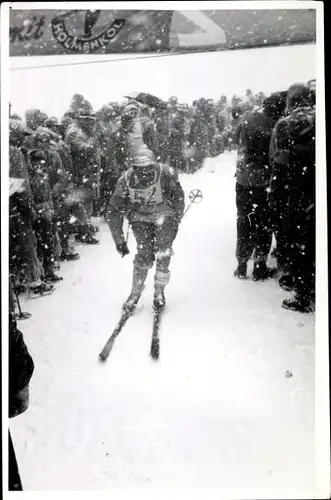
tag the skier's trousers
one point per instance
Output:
(154, 239)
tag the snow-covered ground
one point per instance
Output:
(187, 76)
(216, 411)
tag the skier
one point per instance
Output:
(150, 196)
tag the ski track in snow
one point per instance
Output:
(216, 410)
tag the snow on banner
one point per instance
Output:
(55, 32)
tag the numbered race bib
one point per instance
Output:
(145, 196)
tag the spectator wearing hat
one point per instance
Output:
(134, 131)
(253, 172)
(293, 183)
(106, 134)
(43, 202)
(86, 164)
(22, 214)
(48, 141)
(150, 196)
(34, 118)
(176, 145)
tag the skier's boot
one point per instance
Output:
(160, 282)
(298, 304)
(262, 272)
(85, 235)
(286, 282)
(56, 265)
(88, 239)
(69, 255)
(94, 229)
(40, 288)
(50, 276)
(138, 281)
(241, 271)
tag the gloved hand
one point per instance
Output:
(178, 218)
(122, 249)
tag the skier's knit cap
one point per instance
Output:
(144, 158)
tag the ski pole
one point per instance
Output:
(195, 196)
(21, 315)
(127, 234)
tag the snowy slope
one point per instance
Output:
(216, 411)
(187, 76)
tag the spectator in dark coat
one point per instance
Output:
(86, 162)
(21, 368)
(106, 135)
(293, 180)
(22, 214)
(39, 169)
(253, 172)
(176, 144)
(133, 132)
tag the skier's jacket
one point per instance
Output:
(163, 198)
(254, 135)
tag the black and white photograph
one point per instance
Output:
(164, 257)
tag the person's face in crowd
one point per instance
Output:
(42, 141)
(87, 123)
(109, 115)
(55, 127)
(128, 118)
(16, 137)
(39, 166)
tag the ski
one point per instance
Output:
(110, 342)
(155, 346)
(126, 314)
